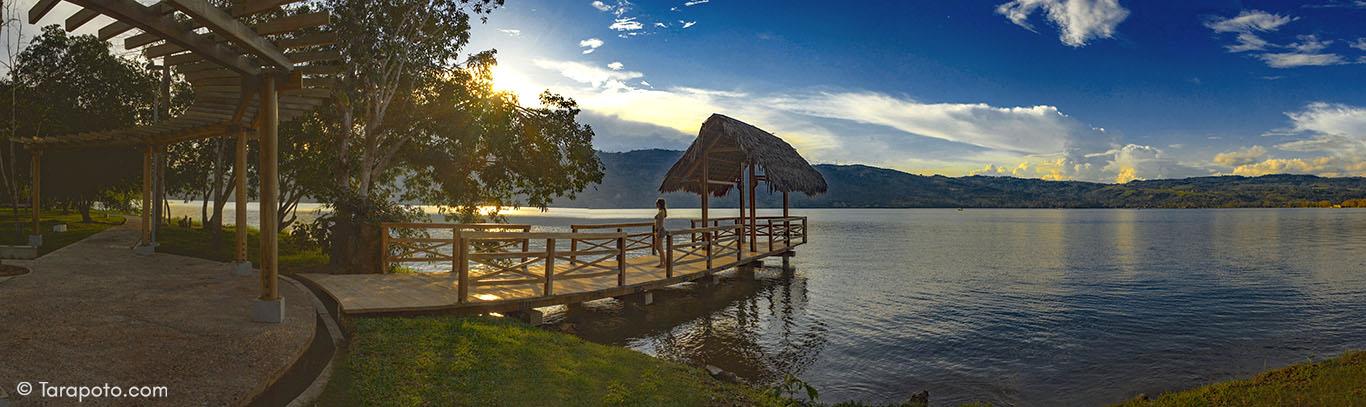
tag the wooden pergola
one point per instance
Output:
(248, 73)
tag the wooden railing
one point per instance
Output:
(639, 235)
(767, 231)
(502, 254)
(492, 267)
(420, 242)
(702, 245)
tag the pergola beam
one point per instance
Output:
(40, 9)
(228, 27)
(80, 18)
(151, 21)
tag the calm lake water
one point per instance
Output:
(1014, 307)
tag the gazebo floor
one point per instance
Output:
(94, 313)
(438, 291)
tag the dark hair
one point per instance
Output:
(659, 203)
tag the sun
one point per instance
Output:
(508, 79)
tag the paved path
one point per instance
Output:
(94, 313)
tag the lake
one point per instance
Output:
(1013, 307)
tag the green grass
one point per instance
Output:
(442, 360)
(75, 230)
(1339, 381)
(198, 242)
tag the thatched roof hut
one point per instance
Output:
(730, 145)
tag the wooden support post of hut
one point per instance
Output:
(725, 149)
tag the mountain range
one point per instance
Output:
(631, 180)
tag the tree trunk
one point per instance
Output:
(214, 223)
(84, 208)
(358, 254)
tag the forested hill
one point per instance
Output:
(632, 179)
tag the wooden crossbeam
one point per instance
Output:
(80, 18)
(249, 7)
(228, 27)
(40, 9)
(294, 22)
(151, 21)
(310, 56)
(327, 38)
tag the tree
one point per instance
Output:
(412, 122)
(69, 84)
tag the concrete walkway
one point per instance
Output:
(94, 313)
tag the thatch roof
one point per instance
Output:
(731, 144)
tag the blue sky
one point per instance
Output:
(1059, 89)
(1098, 90)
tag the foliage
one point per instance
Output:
(485, 361)
(793, 389)
(413, 122)
(68, 84)
(196, 242)
(1335, 382)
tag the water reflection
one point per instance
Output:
(746, 325)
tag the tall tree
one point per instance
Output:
(70, 84)
(415, 122)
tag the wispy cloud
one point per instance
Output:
(1360, 44)
(511, 32)
(695, 2)
(590, 45)
(687, 24)
(1249, 21)
(616, 66)
(601, 6)
(1079, 21)
(626, 24)
(1309, 50)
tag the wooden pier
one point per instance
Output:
(503, 268)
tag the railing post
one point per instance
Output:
(621, 261)
(804, 230)
(787, 233)
(383, 247)
(463, 291)
(549, 267)
(573, 247)
(770, 235)
(526, 247)
(706, 239)
(739, 244)
(668, 256)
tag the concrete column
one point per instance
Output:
(269, 307)
(241, 266)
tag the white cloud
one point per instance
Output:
(601, 6)
(511, 32)
(616, 65)
(1240, 157)
(1294, 59)
(1249, 21)
(590, 45)
(626, 24)
(696, 2)
(1360, 44)
(1248, 42)
(1333, 143)
(588, 74)
(1079, 21)
(687, 24)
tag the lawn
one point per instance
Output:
(198, 242)
(75, 230)
(443, 360)
(1340, 381)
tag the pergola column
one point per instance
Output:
(705, 183)
(740, 235)
(241, 265)
(35, 238)
(269, 307)
(145, 246)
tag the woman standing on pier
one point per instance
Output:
(659, 229)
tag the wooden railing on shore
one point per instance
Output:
(503, 254)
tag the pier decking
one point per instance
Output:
(505, 267)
